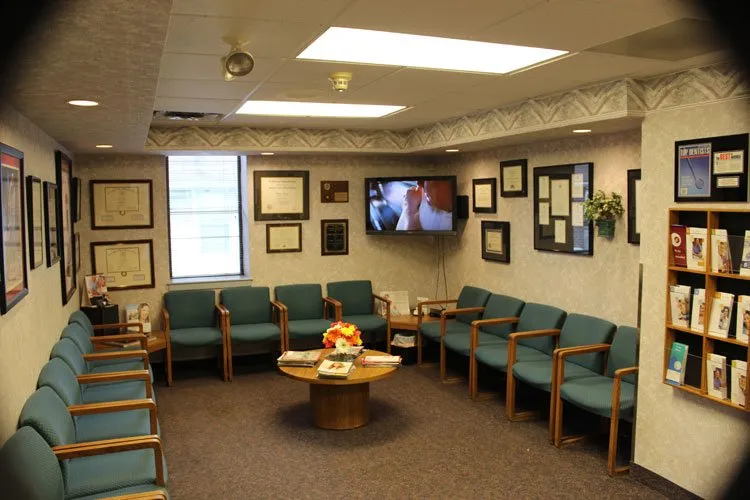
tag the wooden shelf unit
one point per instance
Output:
(710, 281)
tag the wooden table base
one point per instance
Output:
(340, 407)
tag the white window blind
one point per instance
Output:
(205, 234)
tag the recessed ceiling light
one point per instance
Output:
(83, 102)
(452, 150)
(268, 153)
(418, 51)
(104, 146)
(318, 109)
(582, 131)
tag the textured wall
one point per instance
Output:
(29, 330)
(605, 285)
(690, 441)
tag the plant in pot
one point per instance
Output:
(604, 210)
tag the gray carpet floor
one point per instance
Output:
(253, 438)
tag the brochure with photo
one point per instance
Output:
(742, 332)
(698, 316)
(696, 248)
(739, 382)
(721, 314)
(716, 372)
(138, 313)
(677, 361)
(679, 298)
(745, 265)
(678, 237)
(721, 257)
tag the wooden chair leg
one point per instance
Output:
(230, 361)
(558, 419)
(510, 395)
(472, 377)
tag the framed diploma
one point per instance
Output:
(711, 169)
(50, 223)
(125, 204)
(334, 237)
(334, 191)
(634, 191)
(282, 238)
(496, 240)
(484, 197)
(281, 194)
(64, 175)
(13, 236)
(35, 220)
(76, 198)
(514, 179)
(124, 264)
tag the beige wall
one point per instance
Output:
(29, 330)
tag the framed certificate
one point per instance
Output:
(64, 176)
(634, 191)
(334, 191)
(281, 194)
(77, 185)
(484, 199)
(514, 179)
(496, 240)
(124, 264)
(282, 238)
(50, 223)
(13, 235)
(125, 204)
(334, 237)
(711, 169)
(35, 220)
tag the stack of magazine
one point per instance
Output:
(335, 369)
(381, 361)
(299, 358)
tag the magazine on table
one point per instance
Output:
(298, 358)
(698, 316)
(721, 313)
(381, 361)
(679, 299)
(335, 369)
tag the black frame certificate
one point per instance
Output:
(514, 179)
(334, 237)
(484, 195)
(125, 264)
(496, 240)
(13, 236)
(281, 194)
(283, 238)
(122, 204)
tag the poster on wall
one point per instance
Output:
(694, 170)
(711, 169)
(63, 171)
(13, 248)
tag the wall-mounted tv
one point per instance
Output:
(411, 205)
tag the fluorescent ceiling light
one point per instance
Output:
(320, 109)
(267, 154)
(582, 131)
(104, 146)
(417, 51)
(83, 102)
(451, 150)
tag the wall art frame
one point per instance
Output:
(281, 195)
(35, 220)
(64, 176)
(122, 204)
(15, 285)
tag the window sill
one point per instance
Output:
(208, 282)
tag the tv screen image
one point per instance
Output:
(411, 205)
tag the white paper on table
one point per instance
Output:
(577, 214)
(560, 189)
(543, 213)
(543, 187)
(560, 231)
(577, 192)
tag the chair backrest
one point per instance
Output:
(83, 320)
(539, 317)
(622, 354)
(79, 335)
(57, 375)
(471, 296)
(29, 468)
(580, 329)
(501, 306)
(247, 304)
(68, 351)
(47, 414)
(303, 301)
(355, 296)
(191, 308)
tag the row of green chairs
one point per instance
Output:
(586, 361)
(91, 428)
(299, 313)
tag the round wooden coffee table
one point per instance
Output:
(340, 403)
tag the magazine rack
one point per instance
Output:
(701, 344)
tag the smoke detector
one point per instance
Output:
(340, 80)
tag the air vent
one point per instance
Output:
(187, 116)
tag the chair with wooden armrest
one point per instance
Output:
(306, 313)
(578, 330)
(87, 344)
(469, 306)
(250, 317)
(90, 341)
(191, 318)
(358, 307)
(611, 395)
(31, 469)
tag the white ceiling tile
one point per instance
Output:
(223, 106)
(314, 72)
(321, 11)
(204, 89)
(202, 67)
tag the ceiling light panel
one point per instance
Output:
(428, 52)
(316, 109)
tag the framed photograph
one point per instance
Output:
(50, 223)
(334, 191)
(35, 220)
(514, 179)
(124, 264)
(96, 285)
(76, 199)
(334, 237)
(64, 174)
(634, 191)
(77, 245)
(496, 240)
(138, 313)
(283, 238)
(484, 195)
(13, 237)
(122, 204)
(281, 194)
(711, 169)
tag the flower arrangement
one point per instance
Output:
(603, 211)
(342, 336)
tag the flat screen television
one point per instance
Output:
(411, 205)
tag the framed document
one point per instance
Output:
(496, 240)
(77, 244)
(13, 236)
(281, 194)
(76, 198)
(125, 264)
(334, 237)
(125, 204)
(514, 179)
(484, 195)
(334, 191)
(711, 169)
(35, 220)
(634, 191)
(64, 174)
(282, 238)
(50, 223)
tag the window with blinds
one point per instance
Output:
(205, 223)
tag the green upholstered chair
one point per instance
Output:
(578, 330)
(356, 304)
(191, 318)
(250, 316)
(493, 352)
(305, 311)
(31, 469)
(87, 342)
(611, 395)
(469, 306)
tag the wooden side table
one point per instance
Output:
(409, 322)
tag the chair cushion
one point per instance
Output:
(539, 373)
(622, 354)
(196, 337)
(47, 414)
(471, 296)
(111, 471)
(367, 323)
(57, 375)
(254, 333)
(539, 317)
(580, 330)
(501, 306)
(594, 394)
(66, 350)
(355, 296)
(83, 320)
(247, 304)
(28, 468)
(112, 425)
(124, 491)
(308, 328)
(191, 308)
(431, 330)
(121, 391)
(461, 342)
(303, 301)
(78, 334)
(495, 355)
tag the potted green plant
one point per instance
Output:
(604, 210)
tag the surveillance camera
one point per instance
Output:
(340, 81)
(237, 63)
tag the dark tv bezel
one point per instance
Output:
(452, 178)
